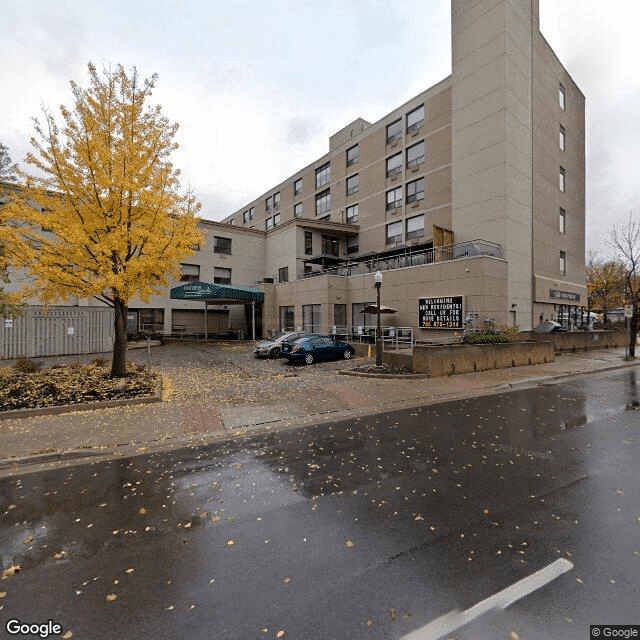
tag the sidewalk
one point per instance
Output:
(219, 391)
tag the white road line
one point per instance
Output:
(501, 600)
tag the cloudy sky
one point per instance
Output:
(258, 86)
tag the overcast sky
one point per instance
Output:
(259, 86)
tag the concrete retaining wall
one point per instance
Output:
(465, 358)
(574, 340)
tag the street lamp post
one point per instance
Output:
(377, 278)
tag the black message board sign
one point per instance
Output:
(440, 313)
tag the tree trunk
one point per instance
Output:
(119, 362)
(633, 332)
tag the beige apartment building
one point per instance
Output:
(469, 199)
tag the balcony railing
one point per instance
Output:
(410, 257)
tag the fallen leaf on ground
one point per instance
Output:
(11, 570)
(67, 635)
(349, 543)
(111, 597)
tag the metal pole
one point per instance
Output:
(253, 320)
(378, 332)
(206, 334)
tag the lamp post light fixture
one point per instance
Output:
(377, 278)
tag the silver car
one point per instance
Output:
(272, 347)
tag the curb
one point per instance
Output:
(403, 376)
(87, 406)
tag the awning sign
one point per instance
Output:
(564, 295)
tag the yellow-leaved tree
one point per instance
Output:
(103, 216)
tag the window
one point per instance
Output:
(563, 263)
(221, 245)
(323, 201)
(361, 320)
(561, 138)
(297, 187)
(415, 119)
(276, 220)
(323, 175)
(276, 200)
(268, 204)
(394, 198)
(415, 190)
(352, 214)
(352, 244)
(353, 155)
(232, 221)
(287, 319)
(268, 223)
(353, 184)
(394, 131)
(394, 232)
(222, 276)
(561, 95)
(415, 227)
(283, 274)
(563, 179)
(340, 315)
(245, 217)
(311, 317)
(189, 272)
(297, 210)
(394, 165)
(415, 155)
(252, 213)
(308, 243)
(330, 246)
(562, 220)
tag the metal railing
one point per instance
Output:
(410, 257)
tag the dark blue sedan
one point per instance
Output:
(314, 348)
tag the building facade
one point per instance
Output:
(470, 195)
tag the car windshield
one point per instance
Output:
(277, 337)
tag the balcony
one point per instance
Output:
(403, 257)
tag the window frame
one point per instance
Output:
(395, 170)
(395, 204)
(296, 191)
(395, 238)
(414, 197)
(562, 138)
(355, 158)
(562, 180)
(186, 277)
(221, 248)
(413, 234)
(217, 279)
(353, 188)
(323, 175)
(562, 220)
(391, 138)
(297, 210)
(563, 263)
(323, 202)
(283, 274)
(418, 160)
(562, 96)
(418, 124)
(355, 217)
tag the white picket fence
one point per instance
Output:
(57, 332)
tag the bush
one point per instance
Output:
(138, 336)
(26, 365)
(486, 338)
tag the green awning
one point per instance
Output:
(216, 293)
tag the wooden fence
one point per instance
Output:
(59, 331)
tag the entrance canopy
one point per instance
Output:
(216, 293)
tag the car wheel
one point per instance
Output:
(275, 353)
(309, 358)
(347, 354)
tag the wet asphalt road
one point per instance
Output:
(367, 528)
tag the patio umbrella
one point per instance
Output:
(372, 308)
